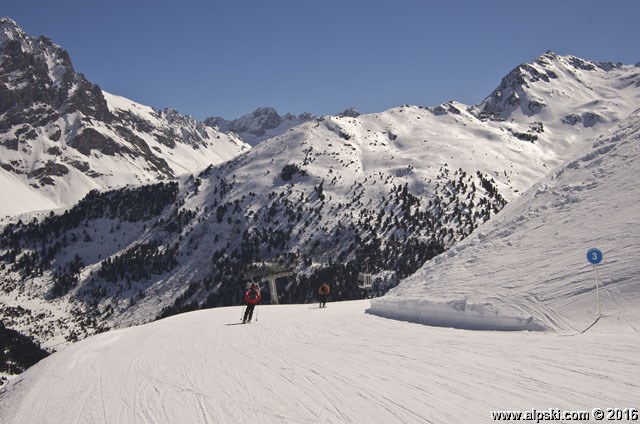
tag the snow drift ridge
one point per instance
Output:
(454, 313)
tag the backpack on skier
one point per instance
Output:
(252, 295)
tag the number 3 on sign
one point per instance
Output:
(594, 256)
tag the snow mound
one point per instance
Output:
(454, 313)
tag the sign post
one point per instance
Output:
(594, 256)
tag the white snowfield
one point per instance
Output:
(301, 364)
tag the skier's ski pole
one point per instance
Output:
(257, 304)
(242, 313)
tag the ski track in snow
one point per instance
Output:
(301, 364)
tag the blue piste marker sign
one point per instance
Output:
(594, 256)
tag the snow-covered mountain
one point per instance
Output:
(260, 125)
(62, 136)
(331, 197)
(299, 363)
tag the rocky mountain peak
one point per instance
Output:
(9, 30)
(266, 118)
(259, 125)
(530, 90)
(55, 125)
(350, 112)
(36, 72)
(514, 92)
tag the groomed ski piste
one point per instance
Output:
(525, 271)
(301, 364)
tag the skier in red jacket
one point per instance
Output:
(251, 298)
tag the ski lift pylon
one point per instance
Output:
(365, 280)
(269, 271)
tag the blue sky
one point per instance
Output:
(212, 58)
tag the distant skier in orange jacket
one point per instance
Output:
(323, 294)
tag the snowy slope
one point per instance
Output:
(527, 267)
(301, 364)
(13, 188)
(62, 174)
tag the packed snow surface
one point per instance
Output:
(302, 364)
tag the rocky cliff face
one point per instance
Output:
(39, 82)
